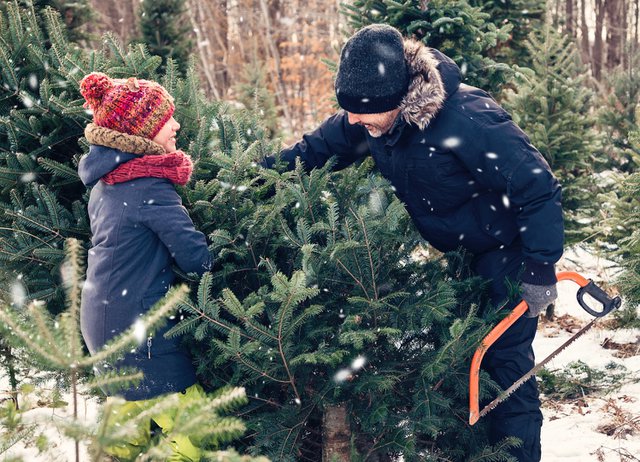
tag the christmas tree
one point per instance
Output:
(618, 118)
(321, 305)
(627, 219)
(166, 31)
(524, 15)
(55, 345)
(554, 107)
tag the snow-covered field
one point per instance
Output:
(595, 428)
(603, 428)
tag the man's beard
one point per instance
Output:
(377, 130)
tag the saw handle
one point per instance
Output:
(587, 286)
(608, 304)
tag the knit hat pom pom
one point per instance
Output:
(94, 86)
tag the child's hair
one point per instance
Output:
(136, 107)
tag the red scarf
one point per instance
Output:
(175, 166)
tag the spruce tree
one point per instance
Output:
(524, 15)
(617, 117)
(554, 107)
(320, 303)
(254, 94)
(464, 33)
(55, 345)
(626, 221)
(75, 14)
(166, 31)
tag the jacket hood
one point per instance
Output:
(100, 161)
(434, 77)
(109, 149)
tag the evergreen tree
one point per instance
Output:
(55, 345)
(626, 220)
(618, 118)
(525, 16)
(554, 107)
(254, 94)
(75, 14)
(166, 31)
(462, 32)
(320, 303)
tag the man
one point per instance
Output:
(468, 177)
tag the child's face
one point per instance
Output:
(166, 137)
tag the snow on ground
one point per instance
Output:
(601, 428)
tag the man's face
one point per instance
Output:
(376, 124)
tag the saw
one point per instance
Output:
(587, 287)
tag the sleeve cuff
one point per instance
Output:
(539, 273)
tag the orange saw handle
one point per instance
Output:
(586, 287)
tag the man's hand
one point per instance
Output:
(538, 298)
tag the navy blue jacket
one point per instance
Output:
(465, 171)
(139, 228)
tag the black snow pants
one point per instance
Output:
(509, 358)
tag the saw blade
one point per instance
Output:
(506, 393)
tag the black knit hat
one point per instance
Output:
(372, 76)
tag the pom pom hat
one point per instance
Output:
(136, 107)
(372, 75)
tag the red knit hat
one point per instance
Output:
(136, 107)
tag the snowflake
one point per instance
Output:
(452, 142)
(139, 330)
(342, 375)
(358, 363)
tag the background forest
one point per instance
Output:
(347, 335)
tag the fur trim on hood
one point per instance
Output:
(426, 93)
(124, 142)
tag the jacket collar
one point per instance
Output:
(433, 77)
(122, 141)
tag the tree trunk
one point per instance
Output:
(570, 18)
(584, 32)
(275, 55)
(9, 363)
(614, 33)
(336, 434)
(635, 33)
(597, 44)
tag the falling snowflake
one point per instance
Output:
(358, 363)
(18, 294)
(124, 292)
(381, 69)
(491, 155)
(505, 201)
(536, 171)
(26, 100)
(139, 331)
(33, 81)
(28, 177)
(342, 375)
(452, 142)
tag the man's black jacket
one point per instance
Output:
(466, 172)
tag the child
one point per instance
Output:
(139, 228)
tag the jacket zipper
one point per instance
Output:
(149, 342)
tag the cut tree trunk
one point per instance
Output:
(336, 434)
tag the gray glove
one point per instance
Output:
(538, 298)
